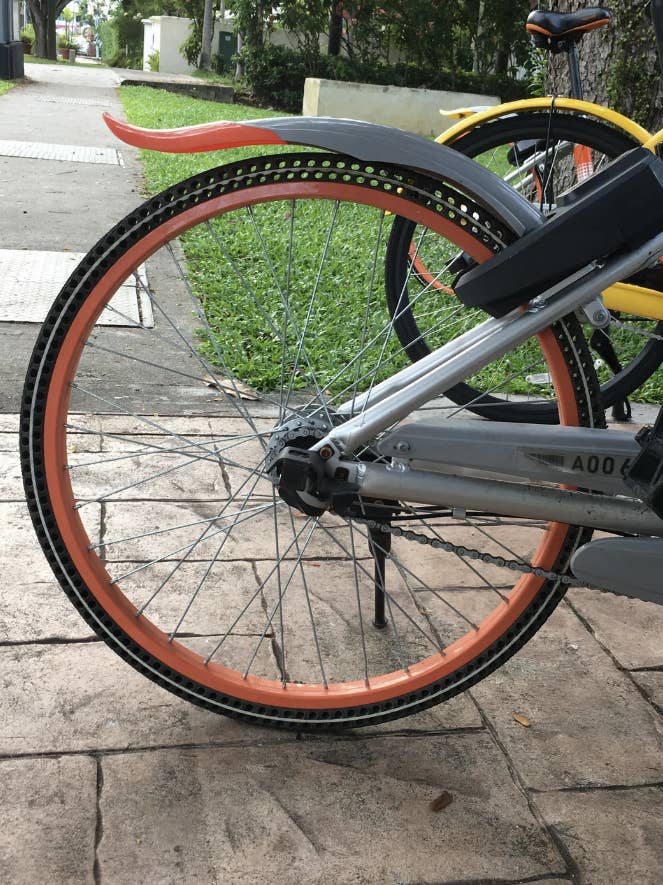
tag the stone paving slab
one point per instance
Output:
(81, 696)
(30, 280)
(613, 835)
(37, 150)
(323, 812)
(616, 620)
(590, 725)
(651, 682)
(11, 484)
(91, 699)
(33, 608)
(48, 821)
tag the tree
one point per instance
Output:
(251, 20)
(306, 20)
(208, 27)
(335, 29)
(618, 64)
(43, 14)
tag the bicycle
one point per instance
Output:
(541, 147)
(233, 551)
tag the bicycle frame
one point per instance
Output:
(394, 399)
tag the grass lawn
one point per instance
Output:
(6, 85)
(257, 352)
(156, 109)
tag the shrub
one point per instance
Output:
(276, 75)
(122, 41)
(153, 60)
(110, 45)
(191, 47)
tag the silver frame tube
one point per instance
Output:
(609, 514)
(398, 396)
(576, 456)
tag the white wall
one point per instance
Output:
(416, 110)
(166, 33)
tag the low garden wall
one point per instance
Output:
(416, 110)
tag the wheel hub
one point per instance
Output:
(296, 435)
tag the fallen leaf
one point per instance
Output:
(522, 720)
(445, 798)
(232, 388)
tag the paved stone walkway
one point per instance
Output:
(104, 778)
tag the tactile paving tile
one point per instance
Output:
(70, 99)
(30, 281)
(35, 150)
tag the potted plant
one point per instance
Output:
(65, 42)
(66, 47)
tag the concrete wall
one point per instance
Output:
(416, 110)
(165, 34)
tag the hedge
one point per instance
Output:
(276, 76)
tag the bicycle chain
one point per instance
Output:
(513, 565)
(643, 333)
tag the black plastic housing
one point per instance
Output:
(621, 207)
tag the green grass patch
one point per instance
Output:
(6, 85)
(212, 77)
(155, 109)
(242, 257)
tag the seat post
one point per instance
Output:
(574, 68)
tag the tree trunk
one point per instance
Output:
(43, 14)
(618, 64)
(39, 22)
(239, 68)
(208, 27)
(502, 54)
(335, 29)
(476, 43)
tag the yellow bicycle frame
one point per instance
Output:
(622, 297)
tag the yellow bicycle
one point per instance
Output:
(541, 147)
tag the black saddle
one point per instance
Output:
(550, 30)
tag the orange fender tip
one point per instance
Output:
(216, 136)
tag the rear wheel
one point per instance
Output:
(146, 437)
(420, 297)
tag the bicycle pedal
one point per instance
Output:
(644, 475)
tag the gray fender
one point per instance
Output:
(384, 144)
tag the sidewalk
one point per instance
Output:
(108, 779)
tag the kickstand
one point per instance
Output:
(601, 343)
(379, 544)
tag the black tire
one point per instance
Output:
(118, 518)
(521, 127)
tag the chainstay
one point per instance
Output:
(513, 565)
